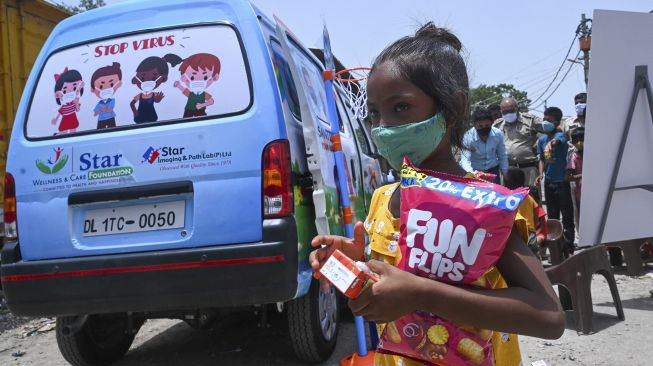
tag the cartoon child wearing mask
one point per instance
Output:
(150, 74)
(198, 72)
(104, 84)
(68, 88)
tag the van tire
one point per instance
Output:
(101, 340)
(306, 334)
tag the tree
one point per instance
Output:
(484, 95)
(83, 6)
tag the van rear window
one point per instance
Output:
(171, 75)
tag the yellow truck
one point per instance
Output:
(24, 27)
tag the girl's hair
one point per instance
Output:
(113, 69)
(68, 76)
(159, 63)
(204, 61)
(431, 60)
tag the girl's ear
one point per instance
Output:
(58, 94)
(134, 80)
(164, 78)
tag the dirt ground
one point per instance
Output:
(239, 341)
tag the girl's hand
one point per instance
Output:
(353, 248)
(54, 121)
(390, 298)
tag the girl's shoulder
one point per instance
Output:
(381, 196)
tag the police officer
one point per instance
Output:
(580, 102)
(520, 131)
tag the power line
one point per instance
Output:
(530, 83)
(564, 60)
(513, 76)
(571, 65)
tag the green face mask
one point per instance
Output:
(415, 140)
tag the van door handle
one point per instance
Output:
(353, 170)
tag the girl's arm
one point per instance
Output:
(353, 248)
(133, 106)
(56, 119)
(528, 306)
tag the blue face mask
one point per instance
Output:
(548, 126)
(415, 140)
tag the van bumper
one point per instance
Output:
(215, 276)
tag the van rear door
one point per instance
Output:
(307, 70)
(148, 140)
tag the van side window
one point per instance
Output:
(342, 118)
(358, 129)
(285, 80)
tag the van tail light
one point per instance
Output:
(277, 180)
(10, 218)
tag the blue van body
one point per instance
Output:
(173, 159)
(51, 207)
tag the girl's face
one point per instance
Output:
(71, 87)
(394, 101)
(149, 75)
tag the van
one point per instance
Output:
(174, 160)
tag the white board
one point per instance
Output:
(620, 41)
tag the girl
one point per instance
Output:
(150, 74)
(68, 87)
(423, 78)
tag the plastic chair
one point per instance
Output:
(632, 255)
(575, 275)
(555, 240)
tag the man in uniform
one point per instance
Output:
(580, 101)
(520, 135)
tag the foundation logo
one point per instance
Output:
(53, 165)
(150, 155)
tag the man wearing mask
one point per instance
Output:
(484, 149)
(580, 102)
(495, 111)
(552, 150)
(520, 137)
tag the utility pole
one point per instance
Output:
(584, 32)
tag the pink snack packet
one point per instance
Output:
(453, 230)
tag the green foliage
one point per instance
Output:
(83, 6)
(484, 95)
(43, 167)
(60, 164)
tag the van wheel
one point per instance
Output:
(313, 321)
(101, 339)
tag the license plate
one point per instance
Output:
(136, 218)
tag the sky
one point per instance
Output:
(518, 42)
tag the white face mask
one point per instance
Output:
(148, 86)
(510, 117)
(580, 108)
(198, 86)
(69, 97)
(106, 93)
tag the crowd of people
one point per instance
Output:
(520, 149)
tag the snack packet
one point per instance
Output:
(348, 276)
(453, 230)
(427, 338)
